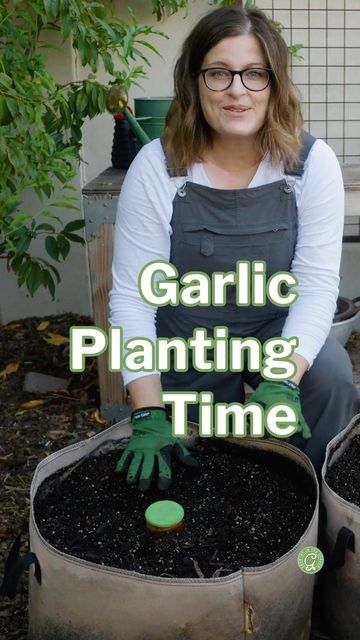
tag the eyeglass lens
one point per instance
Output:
(220, 79)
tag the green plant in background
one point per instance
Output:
(41, 120)
(163, 8)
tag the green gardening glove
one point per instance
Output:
(151, 447)
(273, 392)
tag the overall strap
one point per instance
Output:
(171, 171)
(307, 141)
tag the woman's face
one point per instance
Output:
(236, 111)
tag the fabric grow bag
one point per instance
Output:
(341, 584)
(81, 600)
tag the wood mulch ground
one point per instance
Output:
(31, 432)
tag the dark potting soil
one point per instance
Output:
(344, 475)
(242, 508)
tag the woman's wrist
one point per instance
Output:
(146, 392)
(302, 366)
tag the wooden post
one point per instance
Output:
(100, 258)
(100, 202)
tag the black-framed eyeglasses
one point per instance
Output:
(254, 79)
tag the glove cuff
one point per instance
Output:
(146, 412)
(290, 384)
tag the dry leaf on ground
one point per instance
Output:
(95, 417)
(12, 367)
(56, 339)
(31, 404)
(43, 325)
(11, 327)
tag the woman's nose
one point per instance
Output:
(237, 86)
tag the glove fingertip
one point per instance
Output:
(164, 484)
(184, 456)
(144, 485)
(189, 461)
(123, 464)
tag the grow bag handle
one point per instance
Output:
(356, 303)
(350, 312)
(345, 540)
(15, 566)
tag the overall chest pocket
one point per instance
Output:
(209, 247)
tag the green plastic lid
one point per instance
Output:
(164, 513)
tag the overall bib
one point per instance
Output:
(211, 230)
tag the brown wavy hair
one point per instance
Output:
(187, 134)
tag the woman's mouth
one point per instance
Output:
(237, 109)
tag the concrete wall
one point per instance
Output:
(74, 292)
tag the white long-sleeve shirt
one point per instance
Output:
(143, 233)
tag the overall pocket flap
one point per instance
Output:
(232, 230)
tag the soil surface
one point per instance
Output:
(344, 475)
(242, 509)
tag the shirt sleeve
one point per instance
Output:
(142, 234)
(316, 262)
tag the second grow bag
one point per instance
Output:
(341, 583)
(74, 599)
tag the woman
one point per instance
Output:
(234, 178)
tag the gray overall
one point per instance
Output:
(211, 230)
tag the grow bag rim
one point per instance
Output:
(347, 321)
(330, 450)
(132, 575)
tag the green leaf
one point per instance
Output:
(64, 204)
(74, 225)
(52, 248)
(66, 25)
(21, 217)
(34, 278)
(60, 176)
(51, 8)
(81, 101)
(64, 246)
(23, 271)
(5, 80)
(101, 101)
(50, 214)
(48, 282)
(148, 45)
(106, 26)
(45, 227)
(24, 242)
(74, 238)
(55, 272)
(108, 62)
